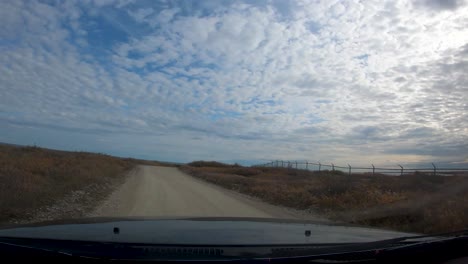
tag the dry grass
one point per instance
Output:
(32, 177)
(412, 203)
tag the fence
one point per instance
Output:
(400, 170)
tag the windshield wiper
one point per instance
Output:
(432, 248)
(414, 249)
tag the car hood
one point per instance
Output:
(201, 231)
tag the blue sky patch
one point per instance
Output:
(193, 80)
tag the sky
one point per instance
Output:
(358, 82)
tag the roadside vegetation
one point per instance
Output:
(412, 203)
(33, 178)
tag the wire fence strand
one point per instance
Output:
(398, 170)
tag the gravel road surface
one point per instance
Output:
(151, 191)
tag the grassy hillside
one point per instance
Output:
(32, 178)
(416, 203)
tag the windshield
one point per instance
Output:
(338, 112)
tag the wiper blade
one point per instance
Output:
(458, 233)
(433, 249)
(417, 249)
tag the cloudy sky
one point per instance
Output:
(355, 82)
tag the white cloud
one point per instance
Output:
(316, 80)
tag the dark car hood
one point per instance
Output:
(201, 231)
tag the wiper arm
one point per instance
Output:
(417, 249)
(15, 250)
(424, 249)
(431, 249)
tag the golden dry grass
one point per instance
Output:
(412, 203)
(32, 177)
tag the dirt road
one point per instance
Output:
(167, 192)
